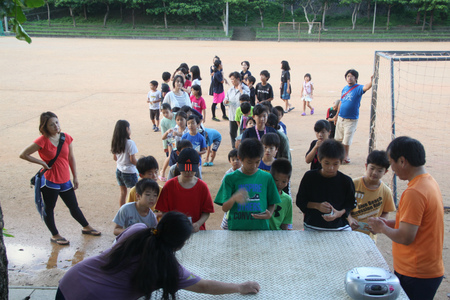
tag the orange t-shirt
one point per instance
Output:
(421, 204)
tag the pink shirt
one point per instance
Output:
(199, 104)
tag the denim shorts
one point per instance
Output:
(126, 179)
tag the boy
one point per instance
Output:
(197, 140)
(153, 100)
(147, 167)
(174, 171)
(249, 124)
(264, 91)
(248, 195)
(167, 122)
(332, 117)
(239, 113)
(282, 216)
(234, 161)
(165, 88)
(271, 143)
(250, 82)
(213, 139)
(186, 193)
(245, 112)
(280, 114)
(373, 197)
(322, 129)
(327, 196)
(147, 191)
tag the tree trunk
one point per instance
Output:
(424, 20)
(282, 18)
(48, 13)
(355, 15)
(325, 8)
(293, 19)
(431, 19)
(262, 17)
(224, 24)
(106, 15)
(246, 19)
(310, 23)
(121, 13)
(368, 11)
(165, 15)
(132, 18)
(418, 18)
(388, 17)
(85, 11)
(3, 263)
(73, 17)
(195, 21)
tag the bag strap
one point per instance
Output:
(62, 138)
(354, 87)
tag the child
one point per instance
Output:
(239, 113)
(307, 94)
(271, 143)
(250, 82)
(245, 72)
(322, 129)
(373, 197)
(327, 196)
(174, 171)
(285, 86)
(282, 216)
(147, 192)
(332, 117)
(263, 90)
(165, 88)
(196, 79)
(213, 139)
(167, 122)
(248, 195)
(234, 161)
(198, 103)
(197, 140)
(249, 124)
(219, 94)
(186, 193)
(147, 167)
(153, 100)
(280, 114)
(260, 113)
(124, 152)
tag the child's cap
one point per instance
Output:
(188, 160)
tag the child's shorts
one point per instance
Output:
(173, 158)
(218, 98)
(154, 114)
(284, 94)
(307, 98)
(126, 179)
(215, 146)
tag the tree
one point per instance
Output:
(310, 8)
(158, 7)
(430, 6)
(193, 8)
(357, 6)
(13, 9)
(291, 4)
(389, 4)
(325, 5)
(261, 5)
(72, 5)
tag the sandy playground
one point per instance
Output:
(91, 83)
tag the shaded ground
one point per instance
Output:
(90, 84)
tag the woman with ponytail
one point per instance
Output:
(143, 260)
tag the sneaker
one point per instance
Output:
(211, 164)
(154, 126)
(225, 117)
(206, 164)
(312, 111)
(156, 129)
(215, 119)
(303, 114)
(291, 108)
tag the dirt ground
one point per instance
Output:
(91, 83)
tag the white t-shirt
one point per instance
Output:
(154, 96)
(128, 215)
(123, 159)
(177, 101)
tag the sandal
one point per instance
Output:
(91, 232)
(312, 111)
(303, 114)
(163, 179)
(346, 161)
(61, 241)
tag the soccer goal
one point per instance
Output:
(296, 31)
(411, 96)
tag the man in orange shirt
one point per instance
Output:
(417, 233)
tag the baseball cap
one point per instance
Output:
(188, 160)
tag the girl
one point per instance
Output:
(218, 91)
(245, 72)
(285, 87)
(198, 103)
(124, 152)
(142, 261)
(177, 98)
(173, 135)
(56, 179)
(307, 93)
(196, 79)
(211, 71)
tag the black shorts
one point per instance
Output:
(154, 114)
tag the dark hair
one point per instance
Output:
(195, 118)
(267, 104)
(232, 153)
(250, 148)
(236, 75)
(246, 107)
(175, 80)
(307, 75)
(45, 116)
(181, 114)
(154, 83)
(120, 137)
(197, 88)
(322, 124)
(411, 149)
(280, 110)
(181, 144)
(250, 119)
(353, 72)
(195, 70)
(166, 76)
(244, 97)
(217, 63)
(272, 121)
(331, 148)
(271, 139)
(265, 73)
(166, 106)
(379, 158)
(285, 65)
(281, 166)
(185, 66)
(157, 266)
(146, 163)
(187, 109)
(251, 79)
(259, 109)
(247, 63)
(146, 184)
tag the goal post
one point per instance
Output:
(411, 96)
(299, 31)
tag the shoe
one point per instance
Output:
(215, 119)
(154, 126)
(206, 164)
(346, 161)
(291, 108)
(163, 179)
(156, 129)
(91, 232)
(312, 111)
(211, 164)
(61, 241)
(303, 114)
(225, 117)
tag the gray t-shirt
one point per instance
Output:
(128, 215)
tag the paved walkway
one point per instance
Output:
(32, 292)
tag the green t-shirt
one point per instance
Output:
(282, 213)
(262, 192)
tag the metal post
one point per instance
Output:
(394, 179)
(227, 20)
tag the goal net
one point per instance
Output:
(411, 96)
(296, 31)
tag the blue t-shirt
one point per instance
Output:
(198, 141)
(351, 102)
(213, 136)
